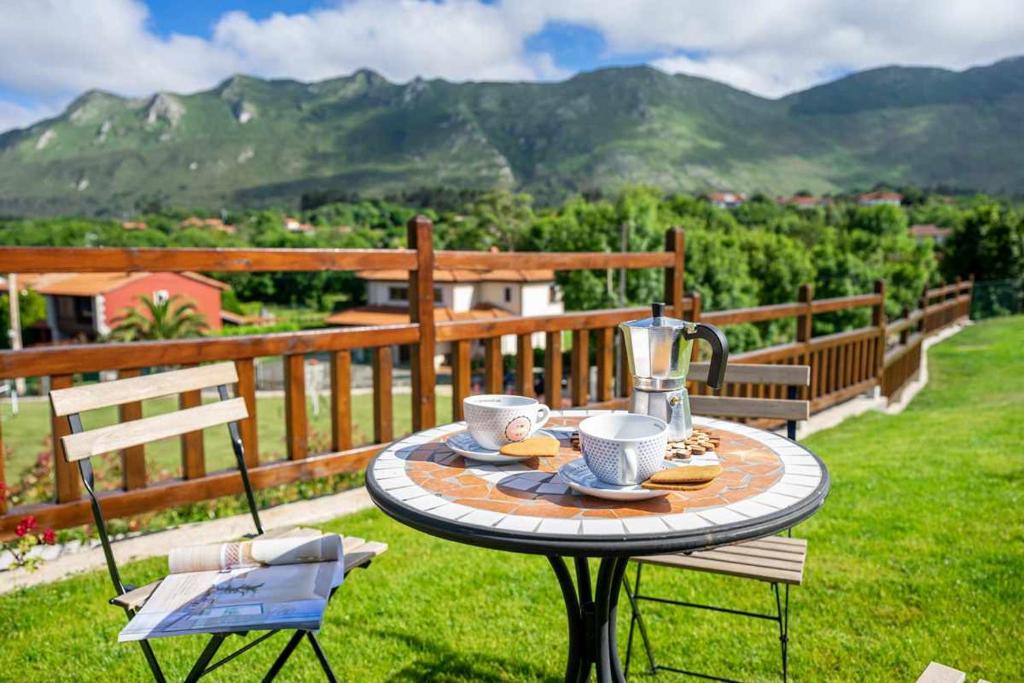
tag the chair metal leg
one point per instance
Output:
(637, 617)
(322, 656)
(199, 668)
(289, 648)
(782, 608)
(154, 665)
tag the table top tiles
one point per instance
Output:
(764, 476)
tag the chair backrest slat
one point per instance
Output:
(727, 406)
(129, 390)
(138, 432)
(753, 373)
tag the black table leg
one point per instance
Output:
(591, 619)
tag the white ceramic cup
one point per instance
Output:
(497, 419)
(622, 448)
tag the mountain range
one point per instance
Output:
(250, 142)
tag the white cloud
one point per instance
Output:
(55, 49)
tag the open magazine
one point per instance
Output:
(264, 583)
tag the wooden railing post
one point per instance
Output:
(494, 366)
(295, 406)
(420, 232)
(878, 320)
(804, 333)
(675, 242)
(341, 400)
(553, 369)
(606, 363)
(246, 368)
(383, 413)
(133, 460)
(580, 362)
(461, 369)
(66, 474)
(905, 332)
(193, 452)
(923, 324)
(524, 364)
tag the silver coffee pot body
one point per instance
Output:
(658, 350)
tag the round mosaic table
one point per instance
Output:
(768, 484)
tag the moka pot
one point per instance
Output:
(658, 350)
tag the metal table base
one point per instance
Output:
(591, 617)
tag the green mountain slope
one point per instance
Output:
(250, 141)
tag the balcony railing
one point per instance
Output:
(844, 364)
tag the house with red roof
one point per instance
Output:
(804, 202)
(931, 232)
(726, 200)
(85, 306)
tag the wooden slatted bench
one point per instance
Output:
(775, 559)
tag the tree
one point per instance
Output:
(31, 307)
(173, 318)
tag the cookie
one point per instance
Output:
(693, 474)
(535, 446)
(676, 487)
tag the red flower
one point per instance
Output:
(49, 537)
(20, 529)
(30, 523)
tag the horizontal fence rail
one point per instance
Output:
(584, 348)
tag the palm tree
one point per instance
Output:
(171, 318)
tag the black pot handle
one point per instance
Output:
(719, 351)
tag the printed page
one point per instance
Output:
(283, 596)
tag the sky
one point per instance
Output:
(53, 50)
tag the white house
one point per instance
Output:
(726, 200)
(880, 199)
(459, 295)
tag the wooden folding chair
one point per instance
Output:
(776, 560)
(81, 445)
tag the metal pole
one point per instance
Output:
(15, 331)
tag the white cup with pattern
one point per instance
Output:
(497, 419)
(622, 448)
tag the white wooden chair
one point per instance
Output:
(940, 673)
(776, 560)
(81, 445)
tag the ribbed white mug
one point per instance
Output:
(497, 419)
(622, 448)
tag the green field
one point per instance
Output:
(917, 555)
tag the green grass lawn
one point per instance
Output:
(918, 554)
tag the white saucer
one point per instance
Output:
(465, 445)
(580, 479)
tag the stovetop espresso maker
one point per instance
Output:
(658, 350)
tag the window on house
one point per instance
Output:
(553, 294)
(83, 309)
(508, 295)
(398, 293)
(160, 296)
(438, 295)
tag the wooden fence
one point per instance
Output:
(844, 364)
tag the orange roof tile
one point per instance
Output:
(91, 284)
